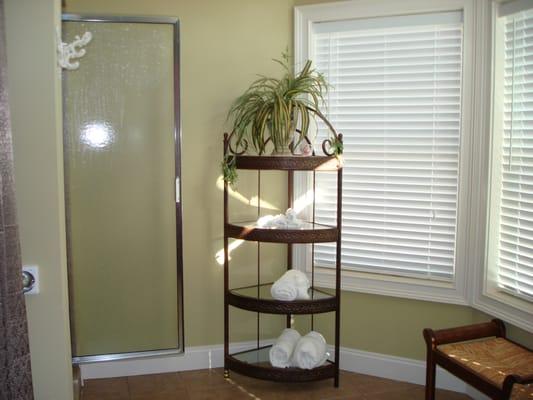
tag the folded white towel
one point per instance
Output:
(310, 351)
(291, 286)
(282, 350)
(288, 220)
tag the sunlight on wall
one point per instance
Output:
(253, 201)
(232, 246)
(303, 203)
(300, 204)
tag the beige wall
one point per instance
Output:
(517, 334)
(35, 99)
(220, 57)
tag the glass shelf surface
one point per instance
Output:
(302, 227)
(264, 292)
(255, 356)
(259, 356)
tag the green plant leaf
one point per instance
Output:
(229, 169)
(273, 107)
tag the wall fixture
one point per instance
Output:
(67, 51)
(30, 279)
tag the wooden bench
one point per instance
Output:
(481, 356)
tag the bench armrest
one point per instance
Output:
(524, 379)
(464, 333)
(510, 380)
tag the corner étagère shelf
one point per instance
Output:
(256, 298)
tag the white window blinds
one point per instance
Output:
(396, 97)
(515, 256)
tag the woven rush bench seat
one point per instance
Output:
(481, 356)
(495, 359)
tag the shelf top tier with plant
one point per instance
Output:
(276, 114)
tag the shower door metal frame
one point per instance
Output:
(180, 346)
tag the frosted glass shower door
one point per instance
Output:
(121, 163)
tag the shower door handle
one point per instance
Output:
(178, 189)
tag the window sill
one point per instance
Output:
(509, 308)
(410, 288)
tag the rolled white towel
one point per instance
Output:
(284, 290)
(301, 282)
(282, 350)
(291, 286)
(310, 351)
(288, 220)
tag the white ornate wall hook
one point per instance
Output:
(68, 51)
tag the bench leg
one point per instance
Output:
(430, 376)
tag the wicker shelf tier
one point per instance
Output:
(288, 163)
(308, 233)
(258, 298)
(255, 363)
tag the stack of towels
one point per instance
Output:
(293, 350)
(289, 220)
(291, 286)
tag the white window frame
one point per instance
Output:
(485, 295)
(446, 292)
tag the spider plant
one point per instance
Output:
(229, 169)
(278, 108)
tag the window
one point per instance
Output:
(397, 88)
(396, 97)
(509, 257)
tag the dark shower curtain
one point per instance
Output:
(15, 372)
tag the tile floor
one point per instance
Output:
(210, 384)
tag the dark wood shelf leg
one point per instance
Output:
(338, 271)
(290, 203)
(431, 369)
(226, 269)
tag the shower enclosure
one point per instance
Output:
(122, 188)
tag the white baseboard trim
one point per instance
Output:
(396, 368)
(197, 357)
(401, 369)
(202, 357)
